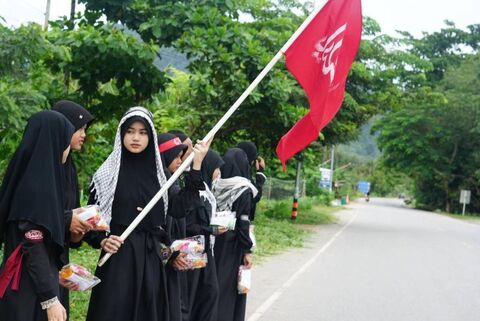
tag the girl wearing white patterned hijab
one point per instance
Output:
(133, 280)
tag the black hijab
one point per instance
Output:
(75, 113)
(211, 162)
(33, 186)
(236, 164)
(170, 146)
(137, 182)
(79, 117)
(250, 149)
(183, 137)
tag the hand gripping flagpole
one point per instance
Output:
(215, 129)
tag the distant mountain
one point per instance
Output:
(365, 146)
(167, 56)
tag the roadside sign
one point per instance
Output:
(325, 177)
(363, 187)
(465, 196)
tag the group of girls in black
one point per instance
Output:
(39, 223)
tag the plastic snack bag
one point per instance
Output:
(224, 218)
(78, 275)
(93, 216)
(189, 245)
(197, 260)
(244, 280)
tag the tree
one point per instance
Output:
(226, 53)
(434, 139)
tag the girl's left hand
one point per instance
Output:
(248, 260)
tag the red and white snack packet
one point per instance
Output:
(79, 276)
(93, 216)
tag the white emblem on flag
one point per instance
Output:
(325, 50)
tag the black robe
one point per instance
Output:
(78, 117)
(133, 283)
(177, 283)
(32, 221)
(230, 248)
(202, 283)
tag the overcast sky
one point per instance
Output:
(414, 16)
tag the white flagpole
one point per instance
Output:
(215, 129)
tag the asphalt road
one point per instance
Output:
(381, 261)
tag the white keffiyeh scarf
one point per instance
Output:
(228, 190)
(104, 181)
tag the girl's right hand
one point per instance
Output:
(111, 244)
(56, 313)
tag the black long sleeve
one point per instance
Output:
(198, 222)
(242, 207)
(37, 260)
(181, 199)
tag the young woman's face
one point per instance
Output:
(78, 138)
(65, 154)
(175, 164)
(136, 138)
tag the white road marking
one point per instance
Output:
(274, 297)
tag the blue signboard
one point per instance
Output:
(363, 187)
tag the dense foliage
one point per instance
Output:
(107, 61)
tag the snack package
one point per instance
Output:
(189, 245)
(251, 231)
(93, 216)
(79, 275)
(244, 280)
(196, 260)
(224, 218)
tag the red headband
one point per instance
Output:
(169, 144)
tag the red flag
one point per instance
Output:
(320, 59)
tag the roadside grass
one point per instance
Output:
(274, 230)
(472, 218)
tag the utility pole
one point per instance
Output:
(47, 15)
(332, 163)
(296, 194)
(73, 4)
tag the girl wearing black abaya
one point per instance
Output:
(233, 192)
(133, 286)
(80, 118)
(172, 149)
(252, 154)
(203, 283)
(32, 222)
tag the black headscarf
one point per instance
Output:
(250, 149)
(137, 182)
(33, 186)
(79, 117)
(236, 164)
(176, 147)
(179, 134)
(75, 113)
(211, 162)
